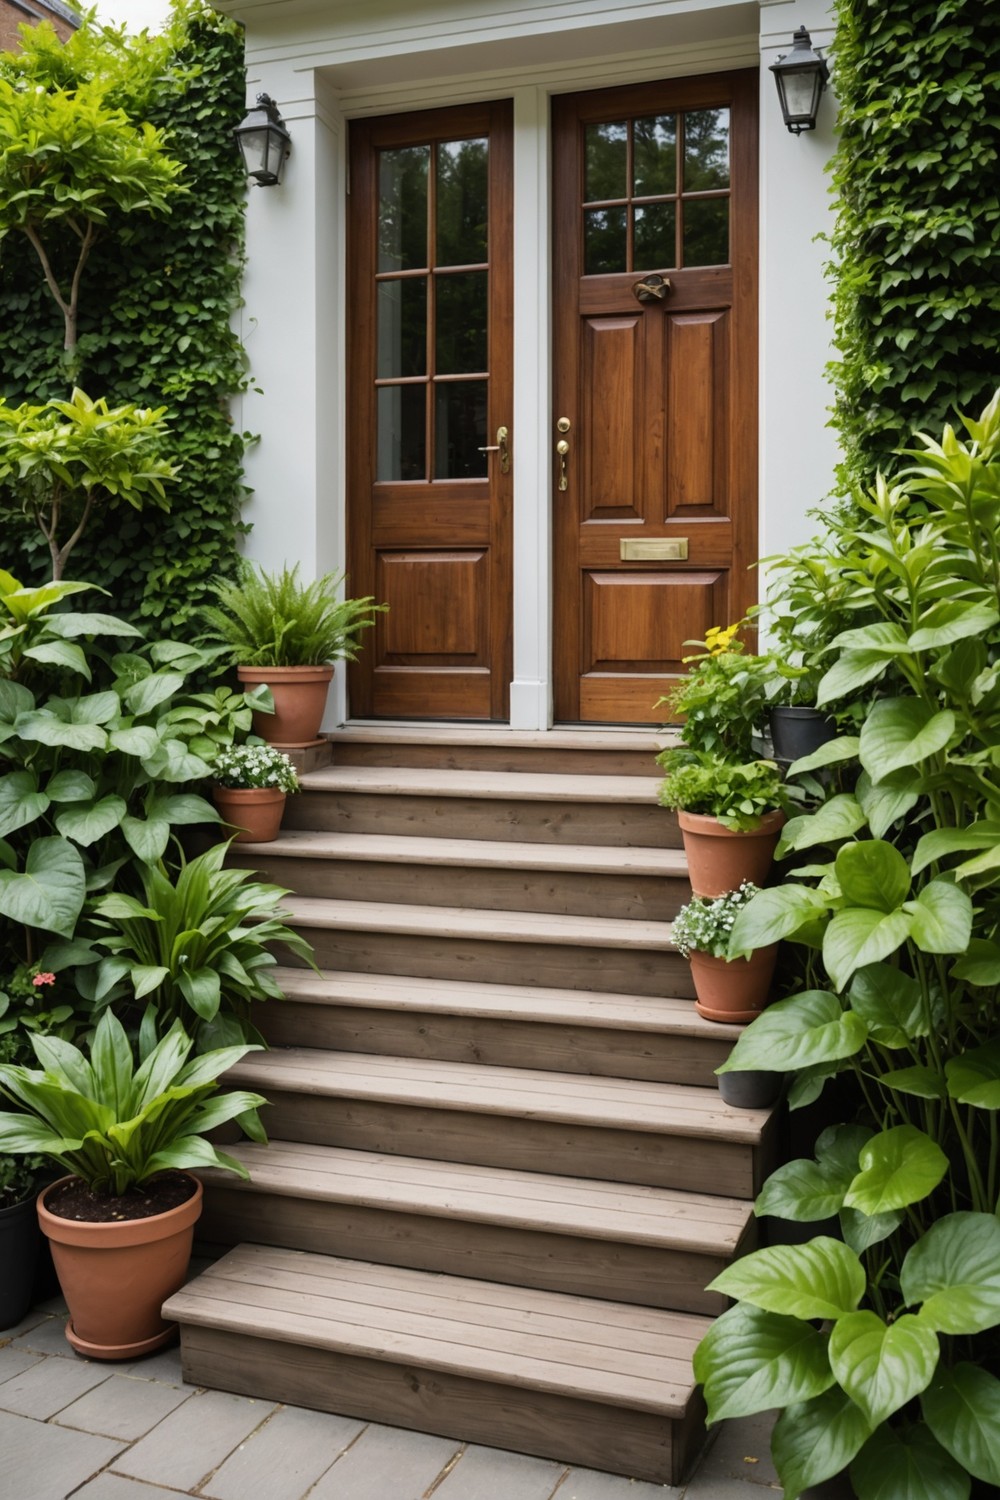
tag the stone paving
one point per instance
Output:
(70, 1426)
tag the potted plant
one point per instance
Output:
(730, 817)
(122, 1222)
(721, 699)
(249, 786)
(19, 1240)
(728, 989)
(287, 634)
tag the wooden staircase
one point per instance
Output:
(500, 1175)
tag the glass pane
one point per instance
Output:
(655, 242)
(402, 442)
(402, 328)
(604, 244)
(462, 181)
(460, 430)
(605, 161)
(706, 150)
(461, 323)
(706, 231)
(655, 156)
(402, 208)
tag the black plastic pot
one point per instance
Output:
(799, 731)
(752, 1088)
(19, 1252)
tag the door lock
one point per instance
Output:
(562, 448)
(501, 446)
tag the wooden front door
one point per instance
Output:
(429, 410)
(655, 298)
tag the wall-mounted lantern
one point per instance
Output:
(264, 142)
(801, 76)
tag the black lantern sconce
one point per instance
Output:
(801, 76)
(264, 142)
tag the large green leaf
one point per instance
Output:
(906, 1463)
(172, 761)
(837, 819)
(873, 874)
(980, 964)
(821, 1279)
(814, 1440)
(962, 1409)
(45, 729)
(146, 837)
(153, 690)
(940, 842)
(804, 1029)
(862, 1231)
(773, 915)
(804, 1191)
(890, 1003)
(950, 621)
(50, 891)
(201, 990)
(898, 1167)
(893, 797)
(140, 740)
(183, 808)
(60, 654)
(902, 732)
(851, 670)
(979, 864)
(940, 918)
(882, 1366)
(831, 754)
(71, 786)
(78, 623)
(751, 1361)
(96, 708)
(954, 1270)
(86, 822)
(917, 1080)
(20, 801)
(860, 936)
(974, 1076)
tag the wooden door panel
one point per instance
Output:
(697, 379)
(439, 609)
(612, 450)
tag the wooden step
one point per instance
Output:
(663, 1040)
(638, 1244)
(596, 752)
(610, 1129)
(583, 1381)
(444, 942)
(519, 807)
(582, 880)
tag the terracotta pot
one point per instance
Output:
(299, 700)
(736, 990)
(116, 1276)
(19, 1244)
(255, 811)
(719, 859)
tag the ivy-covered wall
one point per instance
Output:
(155, 323)
(916, 262)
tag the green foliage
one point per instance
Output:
(720, 700)
(115, 1125)
(705, 923)
(738, 795)
(248, 766)
(273, 620)
(157, 303)
(917, 236)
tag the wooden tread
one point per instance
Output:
(522, 785)
(441, 736)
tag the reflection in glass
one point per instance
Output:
(605, 161)
(402, 208)
(460, 430)
(462, 187)
(402, 441)
(654, 245)
(706, 150)
(604, 241)
(461, 323)
(706, 231)
(654, 167)
(402, 328)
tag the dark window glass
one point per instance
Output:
(604, 241)
(706, 150)
(655, 156)
(461, 323)
(402, 208)
(655, 237)
(402, 438)
(402, 328)
(605, 161)
(462, 184)
(706, 231)
(460, 429)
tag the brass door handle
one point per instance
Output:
(651, 289)
(562, 448)
(501, 446)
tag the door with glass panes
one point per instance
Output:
(654, 378)
(429, 411)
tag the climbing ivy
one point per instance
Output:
(916, 262)
(156, 308)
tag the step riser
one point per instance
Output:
(634, 825)
(620, 971)
(642, 1444)
(557, 762)
(648, 1056)
(641, 1274)
(727, 1168)
(591, 894)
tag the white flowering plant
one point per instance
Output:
(704, 924)
(254, 765)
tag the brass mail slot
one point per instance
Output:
(653, 549)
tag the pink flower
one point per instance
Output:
(41, 979)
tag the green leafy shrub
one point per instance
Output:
(721, 699)
(272, 620)
(738, 795)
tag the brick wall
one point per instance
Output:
(15, 13)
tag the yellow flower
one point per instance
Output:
(718, 640)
